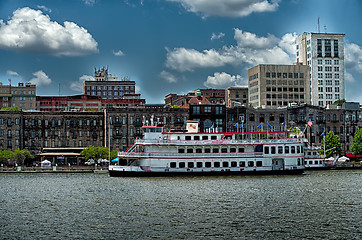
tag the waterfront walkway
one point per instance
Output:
(55, 169)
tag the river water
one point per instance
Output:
(316, 205)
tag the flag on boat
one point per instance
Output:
(310, 123)
(322, 134)
(260, 125)
(283, 124)
(212, 126)
(236, 125)
(269, 125)
(241, 125)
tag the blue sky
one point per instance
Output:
(166, 46)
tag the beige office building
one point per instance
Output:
(274, 86)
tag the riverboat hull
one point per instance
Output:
(120, 173)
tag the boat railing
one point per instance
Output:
(186, 155)
(218, 142)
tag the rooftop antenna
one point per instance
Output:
(59, 89)
(318, 26)
(325, 28)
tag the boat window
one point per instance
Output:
(234, 164)
(225, 164)
(241, 150)
(292, 149)
(208, 164)
(181, 164)
(266, 150)
(259, 163)
(199, 164)
(250, 164)
(320, 162)
(196, 137)
(190, 150)
(172, 164)
(181, 150)
(213, 137)
(272, 150)
(280, 149)
(286, 149)
(215, 150)
(301, 149)
(152, 130)
(158, 129)
(232, 150)
(187, 137)
(198, 150)
(259, 148)
(205, 137)
(316, 162)
(298, 149)
(190, 164)
(242, 164)
(310, 162)
(207, 150)
(315, 153)
(298, 161)
(216, 164)
(224, 150)
(308, 153)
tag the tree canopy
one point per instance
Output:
(92, 152)
(16, 108)
(332, 144)
(357, 142)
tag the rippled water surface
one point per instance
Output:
(316, 205)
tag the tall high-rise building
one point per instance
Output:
(324, 53)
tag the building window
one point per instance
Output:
(196, 109)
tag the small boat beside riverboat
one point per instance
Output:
(313, 160)
(163, 153)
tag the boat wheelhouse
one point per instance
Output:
(190, 152)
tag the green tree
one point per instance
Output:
(114, 154)
(357, 142)
(332, 144)
(92, 152)
(21, 155)
(16, 108)
(6, 155)
(339, 102)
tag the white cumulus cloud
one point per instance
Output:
(12, 73)
(78, 85)
(40, 79)
(228, 8)
(222, 80)
(353, 57)
(182, 59)
(46, 9)
(118, 53)
(217, 36)
(249, 48)
(169, 77)
(30, 30)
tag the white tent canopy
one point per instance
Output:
(343, 159)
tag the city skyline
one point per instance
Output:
(166, 46)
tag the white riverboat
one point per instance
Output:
(190, 152)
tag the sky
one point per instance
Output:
(165, 46)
